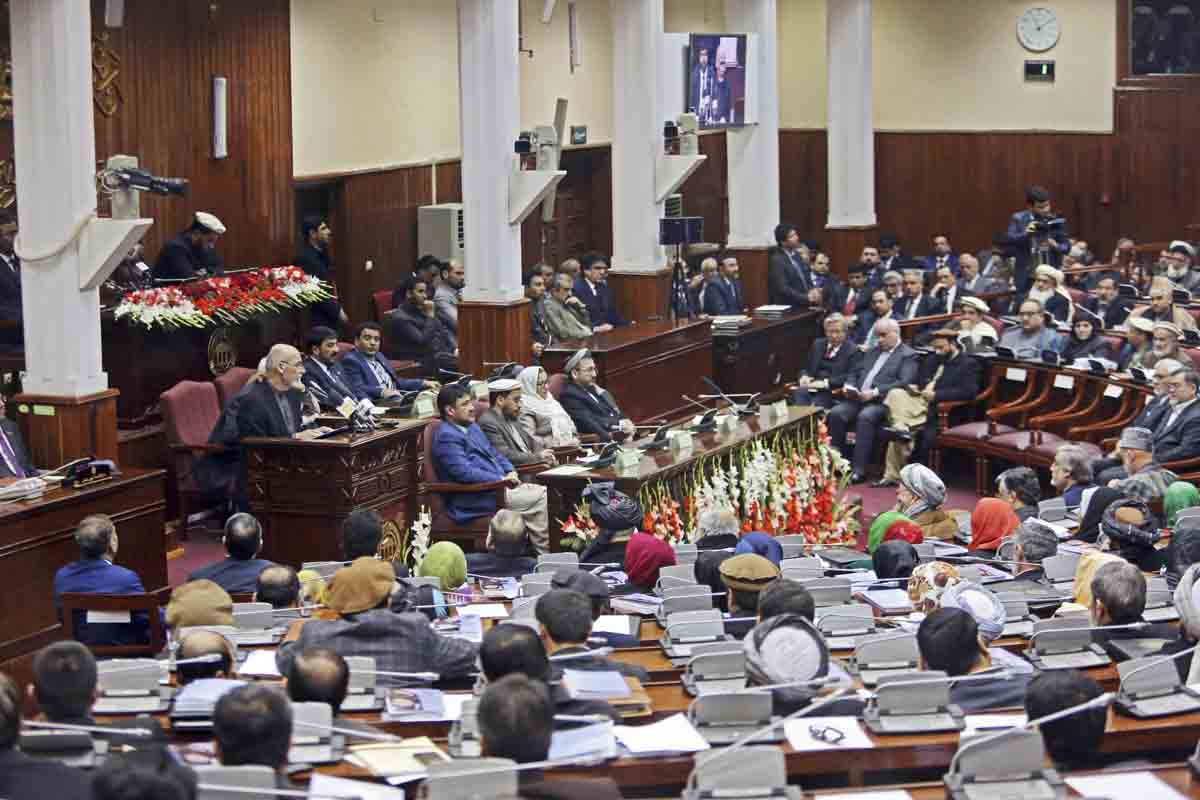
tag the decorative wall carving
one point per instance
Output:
(106, 66)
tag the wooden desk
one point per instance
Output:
(37, 537)
(647, 366)
(563, 491)
(765, 354)
(1178, 776)
(302, 490)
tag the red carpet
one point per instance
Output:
(202, 547)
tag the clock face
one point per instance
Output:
(1038, 29)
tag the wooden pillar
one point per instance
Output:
(493, 332)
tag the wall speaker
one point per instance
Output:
(114, 13)
(220, 106)
(680, 230)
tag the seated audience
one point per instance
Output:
(593, 409)
(1152, 413)
(197, 603)
(828, 290)
(1048, 291)
(788, 277)
(541, 414)
(1177, 437)
(617, 517)
(461, 453)
(913, 410)
(1162, 307)
(446, 562)
(570, 267)
(273, 405)
(505, 556)
(928, 582)
(893, 285)
(323, 375)
(1130, 529)
(971, 281)
(1086, 339)
(645, 556)
(941, 257)
(992, 521)
(399, 642)
(744, 577)
(786, 649)
(198, 644)
(539, 335)
(427, 270)
(238, 572)
(252, 724)
(22, 776)
(987, 609)
(1071, 742)
(446, 298)
(1179, 496)
(1034, 543)
(976, 334)
(593, 289)
(948, 640)
(708, 573)
(516, 719)
(881, 307)
(193, 253)
(417, 332)
(1071, 473)
(1095, 502)
(565, 618)
(321, 675)
(1164, 343)
(370, 373)
(1144, 478)
(717, 529)
(946, 293)
(1107, 304)
(892, 559)
(888, 365)
(567, 318)
(1119, 598)
(1138, 350)
(278, 585)
(146, 774)
(829, 362)
(920, 497)
(724, 294)
(877, 532)
(501, 424)
(1033, 336)
(697, 285)
(64, 687)
(95, 573)
(785, 596)
(914, 302)
(763, 544)
(856, 297)
(1020, 488)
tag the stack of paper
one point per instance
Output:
(594, 741)
(259, 664)
(398, 762)
(642, 604)
(1142, 785)
(620, 624)
(413, 705)
(771, 312)
(729, 324)
(671, 735)
(587, 684)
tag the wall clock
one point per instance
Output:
(1038, 29)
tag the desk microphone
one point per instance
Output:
(1132, 626)
(211, 658)
(994, 674)
(697, 403)
(416, 676)
(1103, 701)
(816, 683)
(1155, 663)
(374, 737)
(740, 409)
(65, 726)
(599, 651)
(982, 560)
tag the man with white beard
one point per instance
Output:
(1179, 258)
(1047, 290)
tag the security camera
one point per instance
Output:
(128, 178)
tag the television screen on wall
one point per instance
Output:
(716, 82)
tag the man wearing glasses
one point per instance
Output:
(1032, 337)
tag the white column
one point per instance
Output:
(637, 134)
(851, 122)
(753, 151)
(490, 105)
(55, 151)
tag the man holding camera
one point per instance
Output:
(1036, 233)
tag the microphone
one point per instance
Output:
(597, 563)
(770, 726)
(1103, 701)
(816, 683)
(982, 560)
(586, 718)
(211, 658)
(65, 726)
(582, 759)
(741, 410)
(994, 674)
(1132, 626)
(599, 651)
(696, 403)
(1154, 663)
(417, 676)
(374, 737)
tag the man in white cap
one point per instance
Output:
(593, 409)
(499, 424)
(1047, 290)
(1162, 306)
(192, 254)
(1138, 346)
(1180, 259)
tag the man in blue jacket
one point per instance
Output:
(462, 454)
(369, 373)
(592, 288)
(95, 573)
(239, 571)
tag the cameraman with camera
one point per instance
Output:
(1037, 236)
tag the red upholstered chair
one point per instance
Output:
(995, 323)
(190, 410)
(1193, 354)
(231, 382)
(471, 535)
(78, 602)
(1078, 296)
(344, 347)
(381, 301)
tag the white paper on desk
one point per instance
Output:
(621, 624)
(108, 617)
(567, 470)
(320, 785)
(985, 723)
(671, 735)
(1061, 531)
(800, 739)
(887, 794)
(860, 578)
(484, 611)
(259, 664)
(1142, 785)
(948, 549)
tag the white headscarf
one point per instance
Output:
(562, 427)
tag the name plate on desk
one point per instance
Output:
(776, 411)
(424, 406)
(1015, 374)
(727, 423)
(681, 442)
(628, 459)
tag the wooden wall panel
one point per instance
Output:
(706, 192)
(170, 50)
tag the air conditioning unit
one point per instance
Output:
(440, 231)
(673, 206)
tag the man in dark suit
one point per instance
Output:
(914, 302)
(499, 424)
(505, 556)
(417, 332)
(238, 572)
(829, 362)
(592, 409)
(461, 453)
(192, 254)
(1177, 437)
(10, 273)
(23, 776)
(369, 373)
(970, 280)
(565, 618)
(323, 375)
(881, 308)
(539, 333)
(827, 292)
(1105, 303)
(703, 80)
(592, 288)
(723, 108)
(14, 456)
(888, 365)
(856, 299)
(1029, 236)
(788, 279)
(95, 573)
(947, 292)
(313, 258)
(723, 295)
(942, 256)
(891, 253)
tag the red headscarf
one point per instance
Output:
(904, 530)
(645, 555)
(991, 521)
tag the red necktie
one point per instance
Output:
(849, 309)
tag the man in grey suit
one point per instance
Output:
(445, 299)
(1178, 434)
(887, 365)
(499, 424)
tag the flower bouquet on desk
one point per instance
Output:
(579, 529)
(223, 299)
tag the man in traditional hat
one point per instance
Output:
(745, 576)
(1047, 290)
(593, 410)
(192, 254)
(1180, 259)
(198, 602)
(1138, 350)
(499, 423)
(1146, 480)
(976, 334)
(1162, 306)
(365, 626)
(951, 375)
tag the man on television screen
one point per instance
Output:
(722, 101)
(701, 88)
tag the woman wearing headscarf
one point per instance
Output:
(920, 496)
(445, 560)
(879, 527)
(992, 521)
(1086, 339)
(762, 544)
(1092, 508)
(541, 414)
(894, 559)
(928, 582)
(645, 555)
(1179, 495)
(785, 649)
